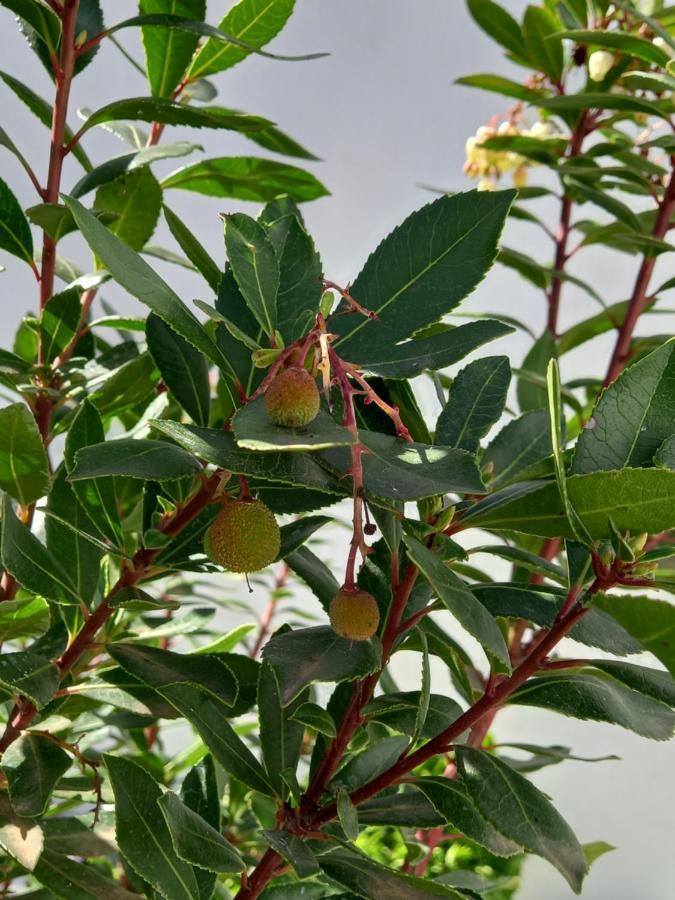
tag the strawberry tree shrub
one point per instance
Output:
(144, 458)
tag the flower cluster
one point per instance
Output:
(489, 164)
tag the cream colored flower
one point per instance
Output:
(663, 44)
(599, 64)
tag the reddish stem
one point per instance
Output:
(269, 611)
(488, 702)
(563, 232)
(640, 296)
(64, 79)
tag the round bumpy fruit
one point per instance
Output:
(292, 399)
(354, 614)
(244, 536)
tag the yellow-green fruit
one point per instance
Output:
(292, 399)
(244, 536)
(354, 614)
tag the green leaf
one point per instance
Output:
(636, 500)
(437, 351)
(632, 418)
(168, 51)
(25, 617)
(71, 538)
(315, 573)
(246, 178)
(367, 764)
(629, 44)
(135, 199)
(540, 606)
(531, 562)
(665, 455)
(90, 22)
(476, 402)
(425, 691)
(276, 140)
(421, 271)
(546, 151)
(162, 668)
(606, 101)
(128, 386)
(311, 655)
(348, 815)
(280, 736)
(24, 473)
(31, 563)
(652, 682)
(200, 793)
(43, 111)
(194, 251)
(218, 447)
(142, 833)
(522, 812)
(33, 766)
(59, 323)
(543, 45)
(56, 220)
(29, 674)
(67, 834)
(375, 882)
(597, 696)
(457, 597)
(408, 808)
(456, 807)
(398, 470)
(40, 17)
(295, 851)
(141, 458)
(606, 320)
(74, 880)
(497, 84)
(294, 534)
(158, 109)
(15, 235)
(300, 273)
(256, 269)
(228, 749)
(651, 622)
(254, 21)
(499, 24)
(400, 711)
(97, 495)
(555, 421)
(523, 442)
(596, 849)
(182, 367)
(531, 396)
(128, 162)
(313, 716)
(21, 838)
(254, 430)
(134, 274)
(195, 841)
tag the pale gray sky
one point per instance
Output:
(383, 114)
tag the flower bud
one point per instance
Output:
(520, 177)
(663, 44)
(599, 64)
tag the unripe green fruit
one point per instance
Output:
(354, 614)
(244, 536)
(292, 399)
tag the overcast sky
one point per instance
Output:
(384, 116)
